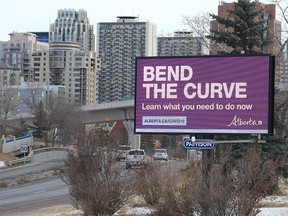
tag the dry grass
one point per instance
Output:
(29, 178)
(7, 157)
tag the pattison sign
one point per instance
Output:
(212, 94)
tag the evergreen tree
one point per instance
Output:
(42, 122)
(243, 30)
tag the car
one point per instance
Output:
(136, 157)
(160, 154)
(122, 152)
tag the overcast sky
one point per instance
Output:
(35, 15)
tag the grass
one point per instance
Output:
(7, 157)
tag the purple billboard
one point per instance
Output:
(211, 94)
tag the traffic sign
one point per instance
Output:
(198, 144)
(24, 148)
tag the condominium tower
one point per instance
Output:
(118, 44)
(18, 50)
(73, 26)
(67, 65)
(181, 44)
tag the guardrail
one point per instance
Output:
(18, 161)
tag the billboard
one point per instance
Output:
(204, 94)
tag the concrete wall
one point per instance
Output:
(13, 146)
(48, 155)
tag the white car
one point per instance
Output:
(160, 154)
(136, 157)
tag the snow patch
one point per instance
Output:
(2, 164)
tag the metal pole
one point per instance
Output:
(207, 159)
(24, 164)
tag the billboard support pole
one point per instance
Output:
(207, 160)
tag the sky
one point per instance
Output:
(35, 15)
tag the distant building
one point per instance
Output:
(73, 26)
(118, 44)
(65, 64)
(40, 92)
(9, 75)
(18, 50)
(181, 44)
(42, 36)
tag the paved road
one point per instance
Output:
(29, 168)
(44, 194)
(30, 197)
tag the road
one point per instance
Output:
(49, 193)
(30, 168)
(32, 195)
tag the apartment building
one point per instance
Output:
(67, 65)
(73, 26)
(9, 75)
(181, 44)
(18, 50)
(118, 44)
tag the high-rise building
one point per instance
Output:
(181, 44)
(18, 50)
(118, 44)
(66, 64)
(73, 26)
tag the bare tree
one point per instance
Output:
(281, 36)
(281, 112)
(232, 190)
(65, 121)
(8, 110)
(148, 181)
(33, 96)
(56, 120)
(199, 25)
(93, 175)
